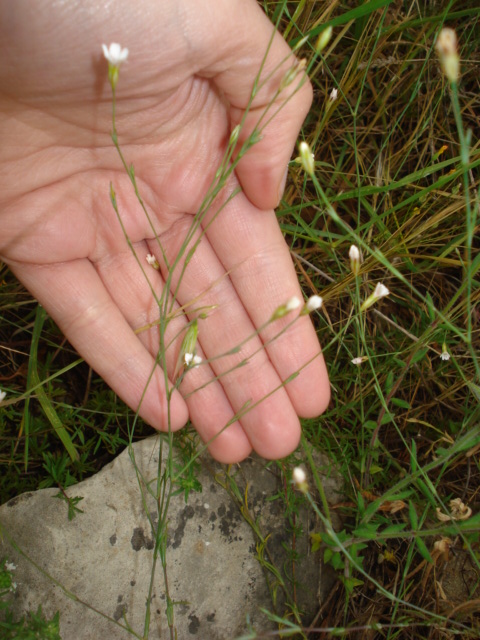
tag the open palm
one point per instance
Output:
(187, 82)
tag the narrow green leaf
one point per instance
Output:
(424, 552)
(45, 403)
(403, 404)
(413, 515)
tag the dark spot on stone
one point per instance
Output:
(120, 611)
(194, 624)
(119, 598)
(158, 612)
(210, 617)
(132, 583)
(23, 498)
(222, 510)
(140, 540)
(213, 488)
(229, 522)
(113, 539)
(182, 518)
(213, 517)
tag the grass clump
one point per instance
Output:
(396, 156)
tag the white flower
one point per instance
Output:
(354, 253)
(299, 476)
(191, 360)
(381, 291)
(299, 479)
(3, 395)
(359, 360)
(115, 54)
(292, 304)
(445, 355)
(313, 303)
(9, 566)
(333, 95)
(152, 261)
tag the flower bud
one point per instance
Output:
(323, 39)
(354, 255)
(307, 158)
(446, 46)
(380, 292)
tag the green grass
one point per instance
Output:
(403, 426)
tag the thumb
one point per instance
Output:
(237, 56)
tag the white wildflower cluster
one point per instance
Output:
(3, 395)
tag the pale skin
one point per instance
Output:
(185, 85)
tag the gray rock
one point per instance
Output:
(96, 569)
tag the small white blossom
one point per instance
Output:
(313, 303)
(445, 355)
(3, 395)
(354, 253)
(281, 311)
(115, 54)
(292, 304)
(359, 360)
(299, 479)
(381, 291)
(333, 95)
(196, 361)
(9, 566)
(188, 358)
(299, 476)
(152, 261)
(13, 586)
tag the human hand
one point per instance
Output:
(186, 84)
